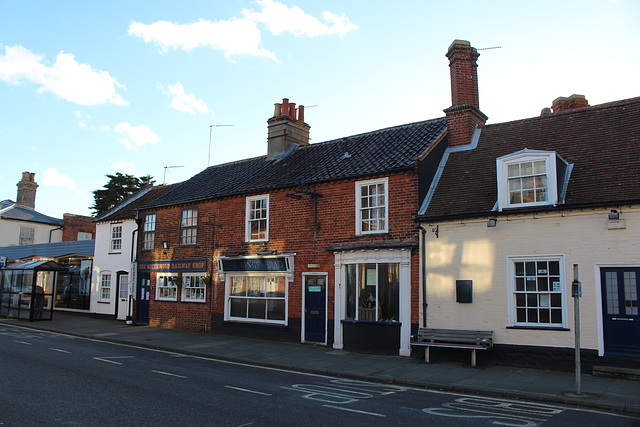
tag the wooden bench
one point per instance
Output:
(453, 338)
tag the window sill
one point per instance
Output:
(540, 328)
(166, 299)
(104, 302)
(254, 323)
(193, 301)
(370, 322)
(115, 253)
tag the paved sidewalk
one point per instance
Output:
(502, 381)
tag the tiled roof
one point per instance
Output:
(49, 250)
(13, 211)
(128, 208)
(602, 142)
(381, 151)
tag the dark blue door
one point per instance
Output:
(142, 298)
(315, 308)
(621, 322)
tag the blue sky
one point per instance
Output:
(93, 88)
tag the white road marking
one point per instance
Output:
(248, 391)
(168, 374)
(60, 350)
(355, 410)
(108, 359)
(23, 342)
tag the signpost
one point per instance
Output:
(576, 293)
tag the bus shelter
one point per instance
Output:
(27, 289)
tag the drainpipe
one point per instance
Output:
(423, 250)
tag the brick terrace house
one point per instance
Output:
(309, 243)
(515, 206)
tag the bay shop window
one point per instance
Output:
(256, 288)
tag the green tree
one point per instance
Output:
(119, 187)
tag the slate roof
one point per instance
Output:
(128, 209)
(10, 210)
(602, 142)
(49, 250)
(382, 151)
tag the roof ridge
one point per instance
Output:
(603, 106)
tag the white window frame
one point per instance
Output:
(359, 209)
(265, 276)
(166, 284)
(511, 287)
(149, 232)
(115, 242)
(105, 287)
(83, 235)
(27, 236)
(192, 284)
(189, 223)
(502, 166)
(248, 218)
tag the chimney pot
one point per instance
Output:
(285, 105)
(301, 113)
(278, 110)
(285, 131)
(292, 110)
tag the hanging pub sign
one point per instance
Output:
(173, 266)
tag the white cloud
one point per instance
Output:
(68, 79)
(136, 136)
(53, 178)
(280, 18)
(241, 36)
(233, 37)
(124, 166)
(187, 103)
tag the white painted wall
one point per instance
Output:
(106, 262)
(469, 250)
(10, 232)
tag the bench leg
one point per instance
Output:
(473, 358)
(426, 354)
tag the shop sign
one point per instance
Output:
(254, 264)
(173, 266)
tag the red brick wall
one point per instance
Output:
(74, 224)
(221, 230)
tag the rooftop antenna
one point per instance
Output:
(489, 48)
(164, 180)
(211, 126)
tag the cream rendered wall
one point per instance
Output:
(469, 250)
(105, 262)
(10, 232)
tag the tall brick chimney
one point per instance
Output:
(286, 128)
(27, 190)
(464, 115)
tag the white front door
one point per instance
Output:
(123, 296)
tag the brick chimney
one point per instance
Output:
(286, 128)
(573, 102)
(464, 115)
(27, 190)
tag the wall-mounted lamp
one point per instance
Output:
(492, 222)
(165, 245)
(614, 214)
(294, 196)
